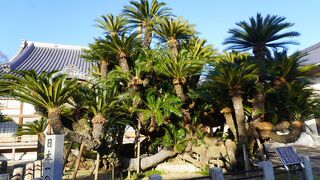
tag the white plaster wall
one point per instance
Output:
(11, 108)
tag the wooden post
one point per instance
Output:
(216, 173)
(138, 148)
(307, 168)
(155, 177)
(129, 174)
(13, 157)
(96, 171)
(67, 155)
(74, 175)
(267, 170)
(21, 114)
(112, 173)
(20, 119)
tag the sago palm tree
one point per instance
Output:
(287, 78)
(234, 75)
(122, 47)
(112, 25)
(100, 103)
(48, 91)
(99, 53)
(218, 96)
(144, 15)
(36, 127)
(199, 47)
(283, 69)
(259, 34)
(171, 31)
(179, 68)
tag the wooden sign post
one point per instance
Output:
(53, 157)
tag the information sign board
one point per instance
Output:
(288, 155)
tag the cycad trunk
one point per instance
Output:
(258, 107)
(139, 30)
(147, 36)
(40, 146)
(97, 130)
(123, 63)
(130, 164)
(259, 54)
(239, 112)
(179, 91)
(238, 108)
(54, 120)
(173, 46)
(104, 68)
(229, 120)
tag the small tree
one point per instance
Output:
(48, 91)
(36, 127)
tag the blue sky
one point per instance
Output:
(72, 21)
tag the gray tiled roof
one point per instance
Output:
(49, 57)
(312, 54)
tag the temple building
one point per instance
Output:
(40, 57)
(312, 56)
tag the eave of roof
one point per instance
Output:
(49, 57)
(312, 54)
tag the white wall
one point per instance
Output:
(11, 108)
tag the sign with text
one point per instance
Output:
(53, 157)
(288, 155)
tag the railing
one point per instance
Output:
(265, 171)
(29, 172)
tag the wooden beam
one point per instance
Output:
(21, 114)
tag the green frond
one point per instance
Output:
(260, 33)
(32, 128)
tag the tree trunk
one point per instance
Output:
(147, 36)
(258, 109)
(139, 30)
(79, 138)
(130, 164)
(54, 120)
(259, 54)
(229, 120)
(173, 46)
(40, 145)
(97, 129)
(123, 63)
(179, 91)
(238, 108)
(239, 112)
(104, 68)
